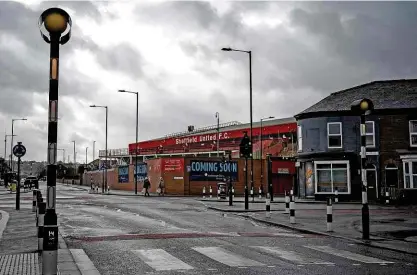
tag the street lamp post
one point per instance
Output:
(94, 150)
(74, 164)
(86, 154)
(218, 132)
(105, 164)
(11, 145)
(261, 157)
(362, 107)
(5, 146)
(57, 23)
(136, 144)
(250, 108)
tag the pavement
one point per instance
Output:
(19, 242)
(391, 227)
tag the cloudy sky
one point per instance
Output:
(170, 53)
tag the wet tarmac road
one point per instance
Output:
(137, 235)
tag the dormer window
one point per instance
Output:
(334, 135)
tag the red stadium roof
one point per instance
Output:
(270, 127)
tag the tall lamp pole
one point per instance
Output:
(11, 144)
(218, 132)
(5, 146)
(74, 164)
(136, 143)
(362, 107)
(105, 164)
(57, 23)
(94, 150)
(261, 157)
(86, 155)
(250, 108)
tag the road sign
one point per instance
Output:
(19, 150)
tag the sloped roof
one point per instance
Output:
(387, 94)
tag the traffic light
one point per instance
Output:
(245, 146)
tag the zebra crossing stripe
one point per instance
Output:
(348, 255)
(290, 255)
(159, 260)
(225, 257)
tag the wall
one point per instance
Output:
(314, 134)
(394, 136)
(97, 177)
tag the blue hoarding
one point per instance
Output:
(142, 171)
(215, 170)
(123, 174)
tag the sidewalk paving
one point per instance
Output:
(19, 244)
(391, 227)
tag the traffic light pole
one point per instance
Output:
(270, 190)
(246, 185)
(230, 183)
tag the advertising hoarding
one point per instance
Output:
(123, 174)
(215, 170)
(141, 171)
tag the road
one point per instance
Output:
(161, 235)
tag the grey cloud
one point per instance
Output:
(196, 14)
(84, 8)
(121, 57)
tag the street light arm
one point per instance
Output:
(129, 92)
(234, 50)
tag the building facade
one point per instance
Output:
(329, 144)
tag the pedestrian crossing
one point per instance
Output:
(162, 260)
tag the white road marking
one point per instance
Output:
(356, 264)
(225, 257)
(348, 255)
(271, 265)
(254, 223)
(159, 259)
(290, 255)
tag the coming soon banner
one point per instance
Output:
(215, 170)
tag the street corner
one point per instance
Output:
(4, 218)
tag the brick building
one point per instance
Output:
(329, 143)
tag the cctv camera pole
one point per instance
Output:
(56, 22)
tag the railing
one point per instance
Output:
(203, 129)
(114, 152)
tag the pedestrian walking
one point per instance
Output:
(161, 187)
(146, 186)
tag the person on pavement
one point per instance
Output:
(161, 186)
(146, 186)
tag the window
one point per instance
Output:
(370, 133)
(334, 134)
(300, 138)
(413, 133)
(410, 174)
(332, 175)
